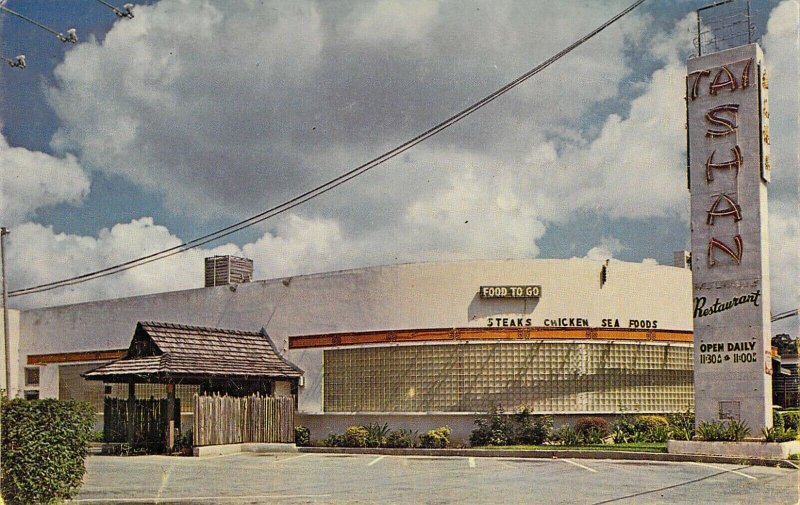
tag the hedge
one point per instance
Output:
(45, 443)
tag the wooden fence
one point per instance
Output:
(229, 420)
(150, 422)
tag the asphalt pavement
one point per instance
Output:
(310, 478)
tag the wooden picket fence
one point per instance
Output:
(150, 422)
(228, 420)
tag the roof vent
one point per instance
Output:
(224, 270)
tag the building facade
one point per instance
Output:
(416, 345)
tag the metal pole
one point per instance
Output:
(6, 338)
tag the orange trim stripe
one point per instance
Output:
(72, 357)
(462, 334)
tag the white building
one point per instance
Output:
(415, 345)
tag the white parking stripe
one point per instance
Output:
(579, 465)
(376, 460)
(721, 468)
(472, 462)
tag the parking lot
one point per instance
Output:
(294, 478)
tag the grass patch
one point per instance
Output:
(631, 447)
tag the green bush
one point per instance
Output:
(592, 427)
(566, 435)
(725, 431)
(737, 431)
(624, 429)
(436, 439)
(334, 440)
(534, 431)
(356, 436)
(497, 429)
(401, 439)
(650, 422)
(681, 425)
(185, 440)
(711, 431)
(377, 435)
(302, 436)
(45, 443)
(791, 419)
(504, 429)
(778, 434)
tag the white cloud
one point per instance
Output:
(301, 244)
(30, 180)
(393, 20)
(608, 247)
(782, 57)
(219, 107)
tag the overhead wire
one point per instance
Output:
(327, 186)
(785, 315)
(60, 35)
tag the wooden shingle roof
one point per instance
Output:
(177, 350)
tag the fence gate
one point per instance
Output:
(229, 420)
(150, 422)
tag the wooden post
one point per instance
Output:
(170, 417)
(131, 411)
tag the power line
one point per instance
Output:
(785, 315)
(327, 186)
(71, 36)
(126, 13)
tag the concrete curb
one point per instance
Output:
(556, 454)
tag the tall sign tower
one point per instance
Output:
(729, 168)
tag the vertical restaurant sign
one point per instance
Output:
(728, 155)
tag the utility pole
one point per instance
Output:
(6, 339)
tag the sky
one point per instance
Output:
(194, 114)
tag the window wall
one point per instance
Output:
(545, 376)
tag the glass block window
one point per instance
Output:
(545, 376)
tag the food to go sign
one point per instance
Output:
(728, 156)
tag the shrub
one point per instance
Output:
(795, 456)
(334, 440)
(597, 425)
(711, 431)
(778, 434)
(356, 436)
(791, 419)
(497, 429)
(45, 443)
(655, 434)
(534, 431)
(436, 439)
(649, 422)
(624, 429)
(401, 439)
(726, 431)
(185, 440)
(504, 429)
(376, 435)
(302, 436)
(681, 425)
(593, 437)
(737, 431)
(566, 435)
